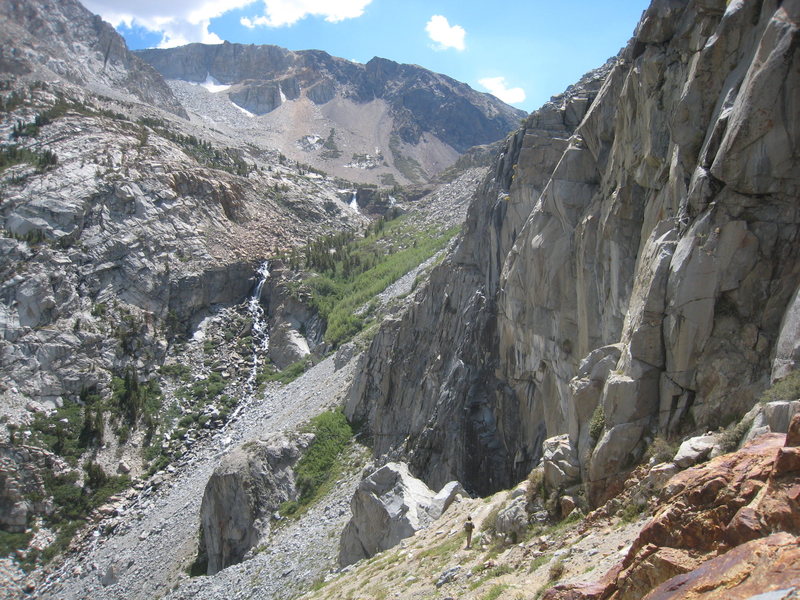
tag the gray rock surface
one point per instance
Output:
(648, 209)
(389, 506)
(243, 492)
(88, 52)
(696, 450)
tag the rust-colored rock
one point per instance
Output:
(732, 501)
(759, 566)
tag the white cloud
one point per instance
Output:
(497, 87)
(184, 21)
(445, 35)
(280, 13)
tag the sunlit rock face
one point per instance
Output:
(635, 249)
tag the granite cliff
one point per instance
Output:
(628, 270)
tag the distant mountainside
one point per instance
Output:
(392, 120)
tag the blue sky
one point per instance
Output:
(524, 51)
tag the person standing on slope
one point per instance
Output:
(468, 527)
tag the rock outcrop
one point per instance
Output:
(22, 491)
(741, 506)
(765, 568)
(35, 43)
(241, 496)
(632, 258)
(388, 506)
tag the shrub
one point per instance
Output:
(536, 487)
(556, 570)
(733, 434)
(787, 388)
(597, 423)
(661, 450)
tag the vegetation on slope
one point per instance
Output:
(320, 466)
(348, 272)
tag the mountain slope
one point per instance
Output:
(333, 113)
(631, 278)
(35, 41)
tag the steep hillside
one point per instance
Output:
(62, 40)
(630, 268)
(377, 122)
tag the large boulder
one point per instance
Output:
(696, 450)
(241, 495)
(388, 506)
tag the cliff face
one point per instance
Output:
(635, 249)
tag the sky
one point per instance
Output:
(522, 51)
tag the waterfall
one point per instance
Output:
(354, 203)
(260, 330)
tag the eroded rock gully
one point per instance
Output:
(635, 249)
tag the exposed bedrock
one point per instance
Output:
(635, 249)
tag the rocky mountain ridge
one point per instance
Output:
(62, 40)
(377, 120)
(627, 277)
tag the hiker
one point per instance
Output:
(468, 527)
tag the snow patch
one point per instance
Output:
(212, 85)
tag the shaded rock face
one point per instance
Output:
(635, 249)
(731, 506)
(388, 506)
(263, 77)
(428, 383)
(240, 497)
(34, 37)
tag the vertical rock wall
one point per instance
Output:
(636, 249)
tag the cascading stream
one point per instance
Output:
(354, 203)
(260, 329)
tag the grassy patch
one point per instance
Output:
(350, 271)
(287, 375)
(490, 574)
(319, 467)
(444, 550)
(538, 562)
(494, 592)
(787, 388)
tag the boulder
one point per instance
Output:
(388, 506)
(772, 417)
(695, 450)
(512, 521)
(560, 460)
(243, 492)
